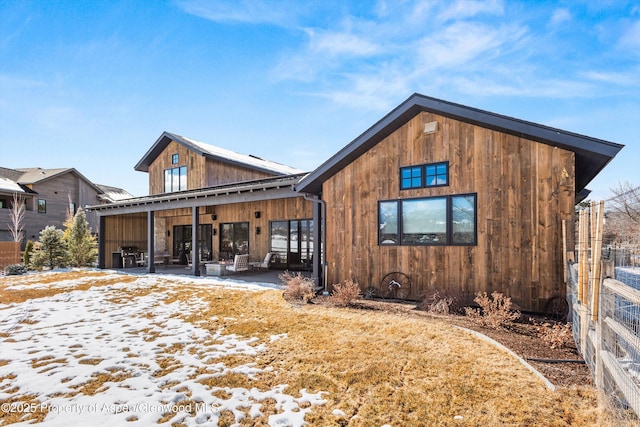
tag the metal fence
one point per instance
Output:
(609, 339)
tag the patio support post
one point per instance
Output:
(101, 242)
(195, 239)
(151, 267)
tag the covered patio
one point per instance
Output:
(256, 276)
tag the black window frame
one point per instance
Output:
(424, 183)
(234, 250)
(426, 175)
(42, 206)
(182, 186)
(411, 178)
(175, 159)
(449, 234)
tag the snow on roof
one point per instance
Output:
(7, 184)
(114, 194)
(247, 159)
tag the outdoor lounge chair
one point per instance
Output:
(264, 264)
(240, 263)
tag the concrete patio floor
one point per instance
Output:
(264, 276)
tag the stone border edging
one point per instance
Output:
(495, 343)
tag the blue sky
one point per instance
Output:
(93, 84)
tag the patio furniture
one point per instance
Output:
(240, 264)
(216, 269)
(264, 264)
(160, 258)
(139, 257)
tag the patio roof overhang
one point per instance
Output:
(249, 191)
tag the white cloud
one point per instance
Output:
(243, 11)
(560, 16)
(341, 43)
(468, 8)
(462, 42)
(630, 40)
(630, 78)
(521, 86)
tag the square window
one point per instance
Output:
(410, 177)
(437, 174)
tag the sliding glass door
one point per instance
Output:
(234, 239)
(292, 243)
(182, 242)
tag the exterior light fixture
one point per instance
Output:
(431, 127)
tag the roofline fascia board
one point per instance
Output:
(196, 201)
(165, 139)
(142, 165)
(235, 189)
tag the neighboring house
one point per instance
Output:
(460, 200)
(49, 195)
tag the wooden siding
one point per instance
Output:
(9, 254)
(131, 230)
(524, 191)
(201, 172)
(196, 173)
(56, 192)
(270, 210)
(123, 230)
(219, 173)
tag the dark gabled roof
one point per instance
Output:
(591, 154)
(213, 152)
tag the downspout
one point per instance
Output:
(320, 246)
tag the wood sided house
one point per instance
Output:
(49, 194)
(455, 198)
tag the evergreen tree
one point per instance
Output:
(81, 244)
(53, 249)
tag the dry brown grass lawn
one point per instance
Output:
(375, 367)
(380, 368)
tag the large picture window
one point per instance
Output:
(175, 179)
(445, 220)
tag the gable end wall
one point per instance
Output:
(524, 191)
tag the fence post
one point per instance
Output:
(596, 256)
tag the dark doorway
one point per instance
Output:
(291, 241)
(234, 239)
(182, 242)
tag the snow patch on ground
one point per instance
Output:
(58, 347)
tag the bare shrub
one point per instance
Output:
(345, 293)
(298, 288)
(444, 302)
(557, 335)
(494, 312)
